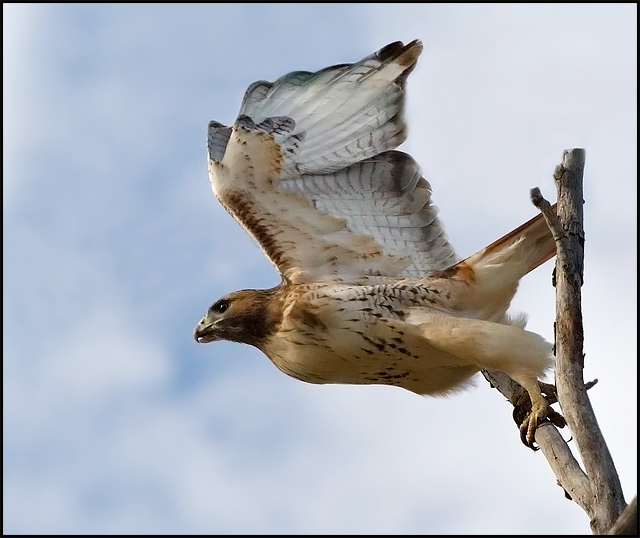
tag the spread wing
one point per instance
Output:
(309, 169)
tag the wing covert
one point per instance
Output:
(387, 198)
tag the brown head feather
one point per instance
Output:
(245, 316)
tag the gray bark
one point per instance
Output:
(596, 488)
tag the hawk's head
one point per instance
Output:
(245, 316)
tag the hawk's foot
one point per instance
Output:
(529, 417)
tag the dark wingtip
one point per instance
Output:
(406, 54)
(390, 50)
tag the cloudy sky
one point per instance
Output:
(116, 421)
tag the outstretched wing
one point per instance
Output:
(309, 170)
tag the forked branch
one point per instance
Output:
(597, 488)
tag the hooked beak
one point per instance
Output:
(206, 331)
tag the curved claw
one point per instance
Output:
(529, 417)
(529, 425)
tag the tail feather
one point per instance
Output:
(491, 275)
(534, 241)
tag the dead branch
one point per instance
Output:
(596, 489)
(627, 524)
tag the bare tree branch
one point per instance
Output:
(627, 524)
(570, 476)
(596, 489)
(608, 500)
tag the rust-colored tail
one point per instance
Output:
(537, 242)
(492, 274)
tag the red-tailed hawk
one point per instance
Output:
(372, 291)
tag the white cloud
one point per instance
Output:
(117, 422)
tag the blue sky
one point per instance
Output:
(116, 421)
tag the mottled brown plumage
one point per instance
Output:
(372, 292)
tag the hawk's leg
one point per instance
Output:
(531, 409)
(528, 417)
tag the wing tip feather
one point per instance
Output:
(398, 51)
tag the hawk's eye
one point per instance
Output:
(221, 306)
